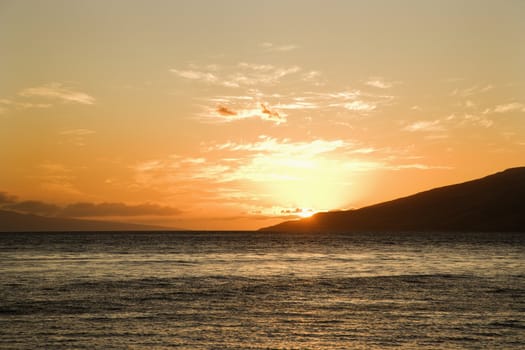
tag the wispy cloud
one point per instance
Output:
(418, 166)
(353, 100)
(379, 83)
(479, 120)
(77, 132)
(283, 147)
(312, 75)
(6, 105)
(424, 125)
(267, 46)
(510, 107)
(196, 75)
(360, 106)
(260, 161)
(60, 92)
(471, 91)
(252, 74)
(272, 107)
(269, 175)
(242, 74)
(76, 136)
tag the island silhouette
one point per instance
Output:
(490, 204)
(11, 221)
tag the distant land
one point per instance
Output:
(15, 222)
(490, 204)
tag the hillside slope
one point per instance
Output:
(492, 203)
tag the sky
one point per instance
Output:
(235, 115)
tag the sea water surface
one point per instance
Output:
(250, 290)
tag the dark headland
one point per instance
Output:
(490, 204)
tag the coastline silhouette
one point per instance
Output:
(492, 203)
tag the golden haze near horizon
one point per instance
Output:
(241, 114)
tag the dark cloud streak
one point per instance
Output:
(225, 111)
(6, 198)
(34, 207)
(268, 111)
(84, 209)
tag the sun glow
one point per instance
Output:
(306, 212)
(324, 185)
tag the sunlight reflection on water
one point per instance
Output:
(253, 290)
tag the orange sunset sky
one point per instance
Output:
(241, 114)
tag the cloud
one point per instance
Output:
(257, 67)
(418, 166)
(242, 74)
(379, 83)
(34, 207)
(509, 107)
(77, 132)
(294, 213)
(76, 137)
(360, 165)
(360, 106)
(298, 105)
(271, 47)
(6, 198)
(279, 160)
(363, 150)
(262, 111)
(291, 211)
(424, 125)
(6, 104)
(225, 111)
(469, 104)
(196, 75)
(479, 120)
(58, 91)
(271, 171)
(312, 75)
(84, 209)
(272, 114)
(283, 147)
(252, 75)
(3, 105)
(274, 107)
(261, 161)
(470, 91)
(352, 100)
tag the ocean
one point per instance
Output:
(252, 290)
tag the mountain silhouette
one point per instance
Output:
(15, 222)
(493, 203)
